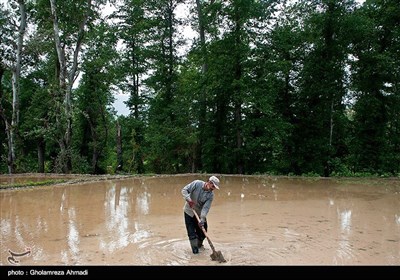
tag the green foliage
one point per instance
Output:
(311, 174)
(311, 91)
(80, 164)
(33, 184)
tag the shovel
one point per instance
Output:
(216, 255)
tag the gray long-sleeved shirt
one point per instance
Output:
(200, 196)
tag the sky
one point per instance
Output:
(119, 104)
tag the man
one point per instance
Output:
(198, 196)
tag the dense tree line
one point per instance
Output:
(278, 87)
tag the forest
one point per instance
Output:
(308, 87)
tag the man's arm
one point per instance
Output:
(205, 209)
(186, 190)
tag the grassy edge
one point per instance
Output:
(33, 184)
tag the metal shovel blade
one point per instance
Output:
(217, 256)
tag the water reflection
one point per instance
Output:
(143, 203)
(62, 202)
(140, 234)
(345, 220)
(275, 192)
(255, 220)
(344, 250)
(117, 209)
(73, 235)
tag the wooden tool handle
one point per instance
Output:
(205, 232)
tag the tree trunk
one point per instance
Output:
(119, 148)
(12, 130)
(197, 161)
(41, 149)
(66, 86)
(6, 123)
(238, 97)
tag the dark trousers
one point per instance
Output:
(193, 229)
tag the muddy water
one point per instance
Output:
(254, 220)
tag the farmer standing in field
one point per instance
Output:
(198, 196)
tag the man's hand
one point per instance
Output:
(201, 224)
(191, 203)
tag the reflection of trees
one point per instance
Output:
(344, 251)
(69, 225)
(118, 217)
(143, 203)
(117, 194)
(64, 200)
(124, 207)
(73, 235)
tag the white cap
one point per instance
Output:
(215, 181)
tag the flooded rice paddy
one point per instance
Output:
(254, 220)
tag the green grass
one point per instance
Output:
(33, 184)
